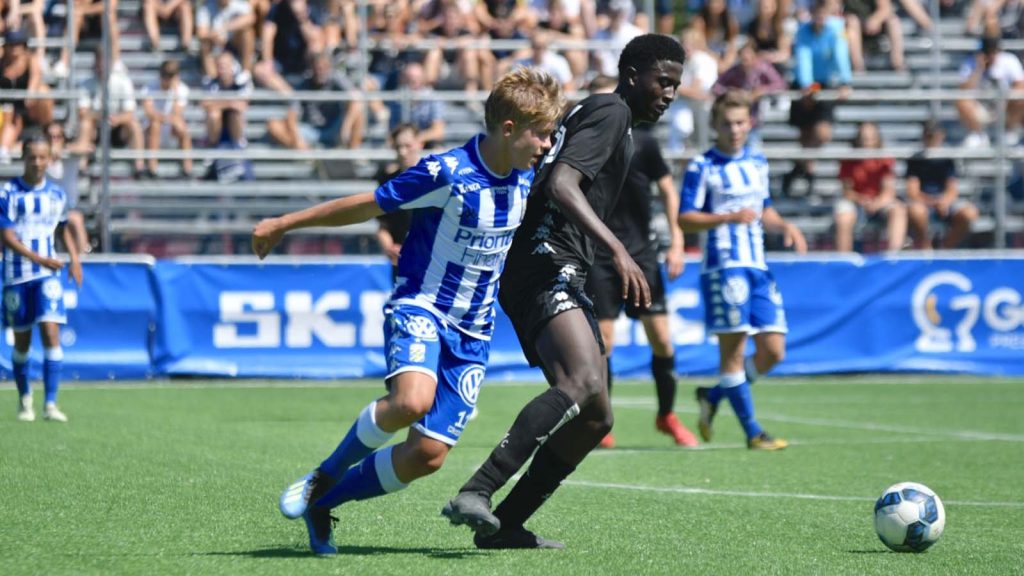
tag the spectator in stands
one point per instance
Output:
(164, 104)
(865, 20)
(504, 20)
(223, 24)
(933, 192)
(543, 58)
(156, 11)
(394, 226)
(689, 110)
(822, 61)
(292, 33)
(426, 114)
(13, 13)
(720, 30)
(63, 170)
(453, 24)
(563, 20)
(125, 129)
(744, 11)
(619, 32)
(20, 70)
(225, 119)
(756, 76)
(329, 123)
(88, 22)
(919, 13)
(990, 68)
(340, 25)
(869, 192)
(768, 34)
(995, 18)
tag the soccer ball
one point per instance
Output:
(909, 517)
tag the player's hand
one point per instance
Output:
(744, 216)
(793, 238)
(634, 284)
(76, 273)
(50, 263)
(265, 235)
(674, 261)
(393, 251)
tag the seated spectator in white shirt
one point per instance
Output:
(222, 24)
(164, 103)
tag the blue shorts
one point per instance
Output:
(32, 302)
(416, 340)
(742, 300)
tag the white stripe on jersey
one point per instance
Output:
(44, 208)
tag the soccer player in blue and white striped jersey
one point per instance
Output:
(726, 195)
(466, 205)
(31, 209)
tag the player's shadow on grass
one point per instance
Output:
(291, 552)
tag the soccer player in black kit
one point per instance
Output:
(630, 221)
(542, 291)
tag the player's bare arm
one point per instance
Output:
(792, 237)
(11, 240)
(674, 259)
(696, 221)
(75, 265)
(568, 195)
(340, 212)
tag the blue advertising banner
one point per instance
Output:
(845, 314)
(111, 321)
(285, 320)
(135, 318)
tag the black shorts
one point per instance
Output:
(805, 113)
(604, 286)
(531, 310)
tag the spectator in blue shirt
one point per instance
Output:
(822, 61)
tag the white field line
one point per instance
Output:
(745, 494)
(637, 403)
(740, 446)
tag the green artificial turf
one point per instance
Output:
(183, 477)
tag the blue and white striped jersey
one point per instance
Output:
(34, 213)
(720, 184)
(464, 218)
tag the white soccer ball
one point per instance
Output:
(909, 517)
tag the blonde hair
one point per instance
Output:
(526, 96)
(729, 100)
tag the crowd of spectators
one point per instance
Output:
(421, 47)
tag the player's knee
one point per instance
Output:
(428, 459)
(410, 408)
(586, 383)
(775, 354)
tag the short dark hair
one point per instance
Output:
(34, 138)
(402, 128)
(931, 127)
(646, 50)
(169, 68)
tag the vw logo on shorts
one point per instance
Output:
(421, 327)
(469, 384)
(52, 289)
(12, 300)
(736, 291)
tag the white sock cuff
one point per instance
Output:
(19, 357)
(367, 430)
(751, 369)
(386, 471)
(732, 379)
(55, 354)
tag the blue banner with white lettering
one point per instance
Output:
(324, 319)
(111, 320)
(276, 320)
(844, 314)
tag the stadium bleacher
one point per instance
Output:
(172, 206)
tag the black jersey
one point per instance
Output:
(630, 221)
(595, 137)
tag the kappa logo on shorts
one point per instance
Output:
(737, 291)
(469, 384)
(12, 300)
(421, 327)
(417, 352)
(52, 289)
